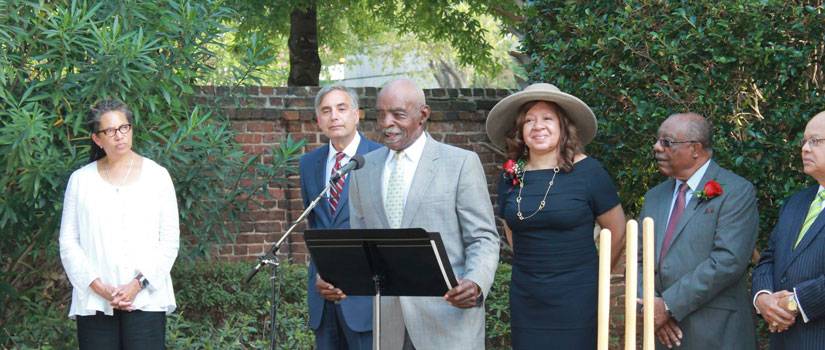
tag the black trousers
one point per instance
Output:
(123, 330)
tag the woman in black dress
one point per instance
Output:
(551, 195)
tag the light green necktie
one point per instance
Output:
(813, 212)
(394, 203)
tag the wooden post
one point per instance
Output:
(604, 289)
(647, 283)
(631, 278)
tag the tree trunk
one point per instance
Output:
(304, 62)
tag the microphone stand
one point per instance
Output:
(271, 259)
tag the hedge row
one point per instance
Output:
(754, 68)
(216, 312)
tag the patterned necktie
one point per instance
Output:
(338, 186)
(394, 203)
(675, 215)
(813, 212)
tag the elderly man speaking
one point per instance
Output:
(416, 181)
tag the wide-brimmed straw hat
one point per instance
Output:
(502, 117)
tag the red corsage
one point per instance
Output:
(712, 190)
(514, 170)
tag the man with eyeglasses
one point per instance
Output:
(706, 224)
(789, 281)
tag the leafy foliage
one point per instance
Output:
(754, 68)
(56, 59)
(456, 30)
(214, 312)
(497, 314)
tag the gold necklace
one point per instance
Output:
(543, 200)
(125, 178)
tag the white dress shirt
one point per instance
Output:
(113, 232)
(693, 183)
(349, 152)
(409, 162)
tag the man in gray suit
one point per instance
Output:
(418, 182)
(706, 225)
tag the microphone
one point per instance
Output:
(253, 272)
(356, 162)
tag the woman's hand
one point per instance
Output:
(103, 289)
(124, 295)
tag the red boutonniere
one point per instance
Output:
(514, 170)
(712, 190)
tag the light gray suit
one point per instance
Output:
(448, 194)
(703, 278)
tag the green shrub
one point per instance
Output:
(56, 59)
(41, 318)
(498, 309)
(216, 311)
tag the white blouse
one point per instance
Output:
(112, 233)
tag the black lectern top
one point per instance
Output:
(408, 262)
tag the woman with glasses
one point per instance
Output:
(550, 196)
(119, 237)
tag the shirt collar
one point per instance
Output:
(349, 151)
(694, 180)
(414, 151)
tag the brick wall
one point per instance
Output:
(262, 116)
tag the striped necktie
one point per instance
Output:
(813, 212)
(338, 186)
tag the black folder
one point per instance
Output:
(407, 262)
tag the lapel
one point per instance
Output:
(799, 218)
(695, 206)
(423, 178)
(318, 184)
(374, 174)
(664, 199)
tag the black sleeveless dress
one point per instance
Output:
(554, 287)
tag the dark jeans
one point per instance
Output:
(123, 330)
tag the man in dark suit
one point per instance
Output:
(706, 226)
(789, 281)
(347, 323)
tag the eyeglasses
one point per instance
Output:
(124, 129)
(669, 143)
(813, 142)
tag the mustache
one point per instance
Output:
(392, 130)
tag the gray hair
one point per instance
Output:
(697, 128)
(353, 97)
(93, 122)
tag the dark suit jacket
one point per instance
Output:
(784, 268)
(357, 310)
(703, 278)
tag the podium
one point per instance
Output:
(382, 262)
